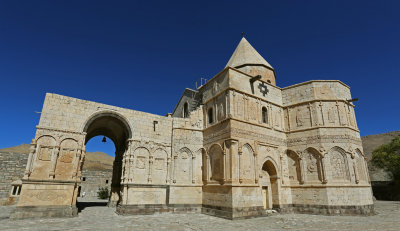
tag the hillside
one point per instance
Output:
(93, 161)
(370, 143)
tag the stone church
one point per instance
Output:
(235, 147)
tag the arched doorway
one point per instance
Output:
(117, 129)
(269, 185)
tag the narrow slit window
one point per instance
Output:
(186, 110)
(264, 115)
(210, 116)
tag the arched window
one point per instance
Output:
(185, 110)
(264, 115)
(210, 116)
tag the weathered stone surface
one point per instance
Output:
(242, 147)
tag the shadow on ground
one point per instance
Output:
(82, 205)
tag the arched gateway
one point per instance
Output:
(115, 127)
(224, 151)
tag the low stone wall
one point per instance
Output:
(12, 167)
(93, 180)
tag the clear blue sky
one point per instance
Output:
(108, 51)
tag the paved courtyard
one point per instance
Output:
(104, 218)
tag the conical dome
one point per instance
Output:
(246, 54)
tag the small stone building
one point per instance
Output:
(235, 147)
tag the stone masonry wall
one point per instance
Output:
(12, 167)
(93, 181)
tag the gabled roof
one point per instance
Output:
(246, 54)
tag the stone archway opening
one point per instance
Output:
(117, 130)
(270, 187)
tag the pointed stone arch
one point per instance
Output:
(69, 152)
(159, 167)
(216, 162)
(270, 186)
(361, 166)
(338, 164)
(294, 167)
(247, 163)
(183, 166)
(312, 165)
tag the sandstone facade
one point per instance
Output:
(12, 166)
(233, 148)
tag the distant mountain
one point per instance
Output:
(372, 142)
(94, 160)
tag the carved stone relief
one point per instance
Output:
(277, 118)
(247, 159)
(331, 115)
(184, 165)
(342, 116)
(338, 165)
(45, 153)
(313, 167)
(141, 165)
(216, 163)
(294, 167)
(159, 173)
(299, 118)
(221, 112)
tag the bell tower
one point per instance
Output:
(245, 58)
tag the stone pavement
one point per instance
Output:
(104, 218)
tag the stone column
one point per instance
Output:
(355, 170)
(54, 158)
(324, 178)
(281, 160)
(270, 119)
(311, 114)
(28, 169)
(227, 103)
(131, 161)
(207, 168)
(167, 177)
(174, 171)
(288, 118)
(124, 166)
(193, 168)
(223, 166)
(81, 160)
(149, 179)
(215, 111)
(255, 154)
(322, 113)
(246, 106)
(240, 164)
(76, 163)
(302, 168)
